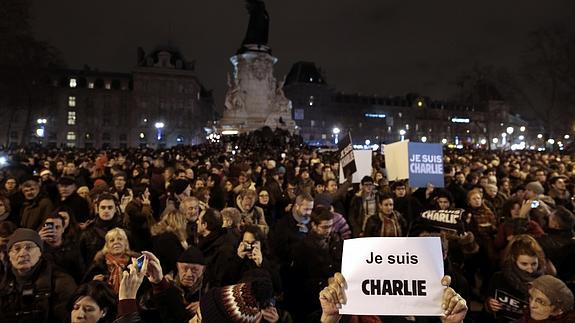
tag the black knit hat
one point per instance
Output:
(192, 255)
(178, 186)
(324, 199)
(23, 234)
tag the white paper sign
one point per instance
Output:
(362, 164)
(393, 276)
(396, 160)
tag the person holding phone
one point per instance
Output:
(251, 259)
(61, 251)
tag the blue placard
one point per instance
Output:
(425, 164)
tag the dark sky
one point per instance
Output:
(368, 46)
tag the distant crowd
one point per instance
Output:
(251, 229)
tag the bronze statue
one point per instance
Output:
(258, 26)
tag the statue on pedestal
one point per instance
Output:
(258, 25)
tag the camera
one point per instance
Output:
(249, 246)
(535, 204)
(49, 225)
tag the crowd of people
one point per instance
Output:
(251, 229)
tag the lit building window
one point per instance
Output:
(311, 100)
(71, 118)
(88, 136)
(71, 101)
(73, 83)
(90, 85)
(71, 135)
(108, 85)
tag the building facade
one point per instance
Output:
(324, 115)
(160, 103)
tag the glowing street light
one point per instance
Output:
(566, 137)
(41, 130)
(495, 140)
(402, 134)
(424, 139)
(483, 141)
(539, 136)
(551, 141)
(159, 126)
(444, 141)
(509, 130)
(522, 128)
(336, 132)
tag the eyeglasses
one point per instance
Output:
(28, 247)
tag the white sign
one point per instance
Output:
(397, 160)
(362, 164)
(393, 276)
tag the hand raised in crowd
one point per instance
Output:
(270, 314)
(99, 277)
(192, 308)
(493, 305)
(256, 254)
(153, 269)
(332, 297)
(46, 234)
(453, 305)
(242, 252)
(131, 280)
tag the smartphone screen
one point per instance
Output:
(140, 262)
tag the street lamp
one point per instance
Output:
(424, 139)
(522, 128)
(159, 126)
(336, 132)
(41, 130)
(444, 141)
(509, 130)
(539, 136)
(402, 134)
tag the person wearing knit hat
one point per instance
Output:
(241, 303)
(550, 300)
(179, 186)
(32, 288)
(190, 276)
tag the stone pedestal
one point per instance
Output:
(254, 98)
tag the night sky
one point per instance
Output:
(367, 46)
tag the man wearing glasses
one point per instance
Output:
(32, 290)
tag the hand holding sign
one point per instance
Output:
(333, 296)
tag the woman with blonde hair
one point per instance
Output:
(169, 239)
(112, 260)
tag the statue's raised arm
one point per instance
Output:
(258, 26)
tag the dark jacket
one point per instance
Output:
(40, 298)
(140, 218)
(79, 206)
(315, 261)
(66, 258)
(93, 238)
(33, 212)
(168, 248)
(216, 248)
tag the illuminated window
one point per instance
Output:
(90, 85)
(71, 118)
(71, 101)
(71, 135)
(108, 85)
(73, 83)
